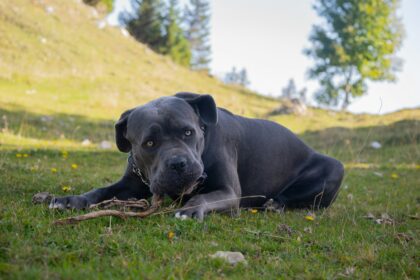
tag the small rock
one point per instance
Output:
(49, 9)
(350, 197)
(42, 197)
(94, 13)
(124, 32)
(86, 142)
(105, 145)
(385, 219)
(101, 24)
(385, 216)
(375, 145)
(379, 174)
(231, 257)
(30, 91)
(308, 230)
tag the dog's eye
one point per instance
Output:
(188, 132)
(150, 143)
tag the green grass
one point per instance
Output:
(73, 87)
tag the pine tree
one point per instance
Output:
(147, 27)
(175, 43)
(237, 78)
(290, 90)
(357, 43)
(243, 78)
(197, 19)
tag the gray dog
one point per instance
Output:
(185, 147)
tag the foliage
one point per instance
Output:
(159, 27)
(291, 92)
(147, 26)
(197, 20)
(107, 3)
(357, 43)
(175, 44)
(237, 78)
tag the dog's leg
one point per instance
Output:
(130, 186)
(317, 185)
(202, 204)
(226, 197)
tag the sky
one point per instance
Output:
(267, 37)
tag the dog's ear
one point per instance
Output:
(120, 130)
(204, 106)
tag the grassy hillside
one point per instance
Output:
(64, 80)
(61, 62)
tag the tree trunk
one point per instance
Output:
(346, 101)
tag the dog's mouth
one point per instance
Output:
(196, 184)
(178, 187)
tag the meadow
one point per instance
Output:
(56, 93)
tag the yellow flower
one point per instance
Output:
(171, 235)
(25, 155)
(18, 155)
(394, 176)
(66, 188)
(54, 170)
(310, 217)
(254, 211)
(74, 166)
(64, 154)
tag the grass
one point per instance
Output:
(53, 97)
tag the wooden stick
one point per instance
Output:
(156, 203)
(106, 204)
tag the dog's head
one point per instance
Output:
(166, 139)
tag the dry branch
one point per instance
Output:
(156, 203)
(141, 204)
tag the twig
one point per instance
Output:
(106, 204)
(156, 203)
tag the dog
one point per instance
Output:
(184, 147)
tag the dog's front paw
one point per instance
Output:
(194, 208)
(69, 202)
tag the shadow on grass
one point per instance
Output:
(346, 144)
(55, 126)
(398, 140)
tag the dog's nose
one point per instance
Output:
(178, 163)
